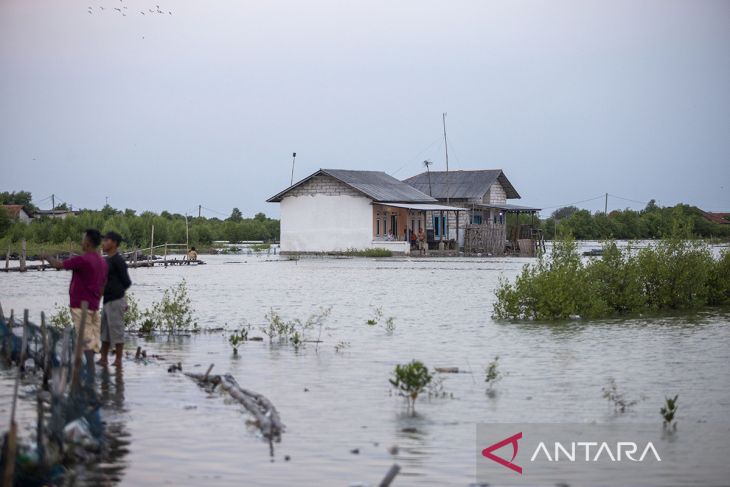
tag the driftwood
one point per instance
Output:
(267, 417)
(390, 475)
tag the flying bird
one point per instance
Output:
(141, 12)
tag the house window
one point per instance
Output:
(440, 223)
(394, 225)
(377, 226)
(476, 219)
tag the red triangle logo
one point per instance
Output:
(487, 452)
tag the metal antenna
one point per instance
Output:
(293, 160)
(428, 165)
(446, 146)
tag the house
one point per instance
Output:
(719, 218)
(486, 225)
(17, 212)
(57, 213)
(334, 210)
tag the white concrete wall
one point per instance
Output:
(326, 223)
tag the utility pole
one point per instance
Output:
(106, 201)
(187, 234)
(605, 206)
(199, 208)
(53, 202)
(293, 160)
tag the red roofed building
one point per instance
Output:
(721, 218)
(17, 212)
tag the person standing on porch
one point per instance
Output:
(422, 243)
(87, 284)
(115, 304)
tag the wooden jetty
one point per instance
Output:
(163, 263)
(134, 260)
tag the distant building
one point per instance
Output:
(54, 213)
(335, 210)
(17, 212)
(719, 218)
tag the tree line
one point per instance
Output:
(652, 222)
(137, 228)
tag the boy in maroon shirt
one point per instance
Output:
(87, 284)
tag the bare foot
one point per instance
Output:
(117, 363)
(103, 363)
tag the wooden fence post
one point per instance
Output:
(22, 255)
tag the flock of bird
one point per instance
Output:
(124, 9)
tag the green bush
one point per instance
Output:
(617, 279)
(173, 313)
(376, 252)
(61, 317)
(410, 380)
(132, 315)
(675, 274)
(557, 287)
(294, 331)
(719, 285)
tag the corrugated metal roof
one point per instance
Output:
(461, 184)
(513, 208)
(425, 206)
(376, 185)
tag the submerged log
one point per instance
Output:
(267, 417)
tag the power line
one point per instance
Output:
(417, 157)
(214, 211)
(574, 203)
(628, 199)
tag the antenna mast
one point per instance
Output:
(446, 146)
(293, 160)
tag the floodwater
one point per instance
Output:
(164, 429)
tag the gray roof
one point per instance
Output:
(511, 208)
(461, 184)
(376, 185)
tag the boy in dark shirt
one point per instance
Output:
(115, 304)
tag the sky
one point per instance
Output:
(204, 103)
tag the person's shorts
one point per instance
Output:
(422, 245)
(112, 321)
(92, 328)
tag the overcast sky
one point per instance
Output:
(205, 105)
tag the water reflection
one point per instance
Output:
(109, 469)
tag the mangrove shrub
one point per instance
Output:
(673, 274)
